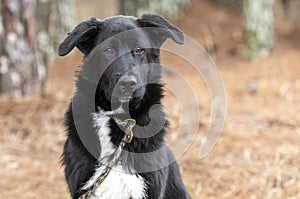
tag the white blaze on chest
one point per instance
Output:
(119, 184)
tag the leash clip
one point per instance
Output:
(128, 124)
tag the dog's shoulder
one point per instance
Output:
(79, 163)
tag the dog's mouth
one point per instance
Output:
(125, 99)
(128, 97)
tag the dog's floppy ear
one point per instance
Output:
(167, 30)
(81, 37)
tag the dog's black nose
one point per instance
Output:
(128, 84)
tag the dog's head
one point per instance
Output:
(128, 46)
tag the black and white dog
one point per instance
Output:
(131, 76)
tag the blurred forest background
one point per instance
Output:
(255, 44)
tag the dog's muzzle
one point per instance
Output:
(126, 86)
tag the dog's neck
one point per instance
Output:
(146, 139)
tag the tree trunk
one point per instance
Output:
(171, 9)
(30, 33)
(292, 10)
(259, 27)
(22, 71)
(232, 3)
(55, 18)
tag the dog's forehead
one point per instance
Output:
(120, 24)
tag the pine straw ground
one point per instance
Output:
(258, 153)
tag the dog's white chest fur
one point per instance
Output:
(119, 184)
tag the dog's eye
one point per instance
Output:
(139, 50)
(109, 51)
